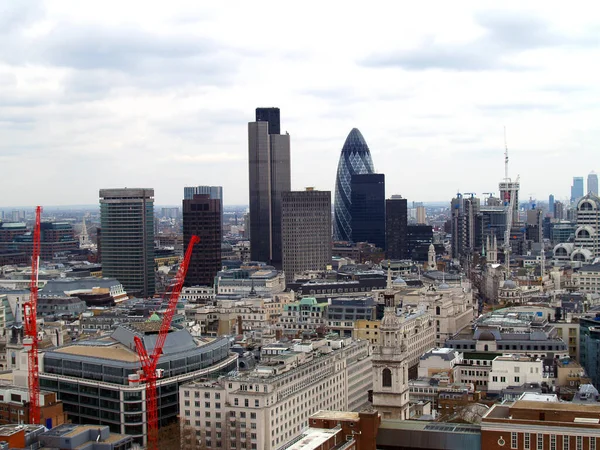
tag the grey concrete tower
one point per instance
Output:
(269, 177)
(127, 222)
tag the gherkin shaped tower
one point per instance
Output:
(355, 159)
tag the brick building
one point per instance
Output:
(14, 407)
(539, 421)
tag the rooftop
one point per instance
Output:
(335, 415)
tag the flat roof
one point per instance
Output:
(116, 352)
(313, 438)
(337, 415)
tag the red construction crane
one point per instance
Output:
(149, 362)
(31, 338)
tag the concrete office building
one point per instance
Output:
(202, 218)
(368, 208)
(354, 159)
(214, 192)
(97, 380)
(396, 221)
(306, 231)
(270, 406)
(269, 178)
(464, 212)
(127, 223)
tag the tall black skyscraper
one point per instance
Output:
(396, 218)
(269, 177)
(368, 208)
(418, 239)
(202, 217)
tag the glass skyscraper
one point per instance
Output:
(354, 160)
(577, 189)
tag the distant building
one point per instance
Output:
(92, 437)
(577, 189)
(55, 238)
(354, 159)
(14, 407)
(306, 231)
(464, 212)
(368, 208)
(127, 222)
(269, 178)
(592, 183)
(421, 215)
(396, 221)
(418, 239)
(551, 204)
(202, 218)
(214, 193)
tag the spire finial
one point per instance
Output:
(389, 275)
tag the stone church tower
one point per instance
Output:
(390, 368)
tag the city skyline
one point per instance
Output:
(165, 100)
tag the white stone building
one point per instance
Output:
(269, 406)
(514, 370)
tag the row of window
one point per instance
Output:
(536, 442)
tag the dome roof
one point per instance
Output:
(443, 286)
(154, 318)
(399, 282)
(509, 284)
(390, 320)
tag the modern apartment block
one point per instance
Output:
(270, 406)
(396, 221)
(127, 222)
(306, 231)
(269, 178)
(202, 218)
(97, 380)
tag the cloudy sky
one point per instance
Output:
(158, 94)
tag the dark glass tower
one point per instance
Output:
(368, 208)
(355, 159)
(418, 239)
(396, 219)
(202, 217)
(127, 240)
(269, 177)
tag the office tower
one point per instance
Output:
(368, 208)
(576, 189)
(306, 231)
(464, 212)
(214, 192)
(354, 159)
(269, 178)
(592, 183)
(551, 205)
(421, 215)
(396, 219)
(559, 210)
(202, 217)
(127, 221)
(506, 187)
(534, 226)
(418, 239)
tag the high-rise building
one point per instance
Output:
(576, 189)
(306, 231)
(214, 192)
(368, 208)
(559, 210)
(202, 217)
(421, 215)
(269, 178)
(395, 227)
(464, 212)
(354, 159)
(592, 183)
(418, 239)
(127, 222)
(551, 204)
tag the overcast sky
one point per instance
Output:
(100, 94)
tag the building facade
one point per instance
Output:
(396, 221)
(269, 178)
(127, 223)
(306, 231)
(592, 183)
(354, 159)
(270, 406)
(368, 208)
(202, 218)
(577, 190)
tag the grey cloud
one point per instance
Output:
(15, 15)
(507, 34)
(522, 107)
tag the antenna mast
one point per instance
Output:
(505, 158)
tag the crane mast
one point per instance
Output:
(30, 314)
(149, 362)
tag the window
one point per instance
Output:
(517, 379)
(386, 378)
(527, 441)
(494, 379)
(565, 442)
(579, 442)
(514, 440)
(592, 443)
(552, 442)
(253, 415)
(502, 379)
(236, 402)
(540, 441)
(256, 403)
(207, 404)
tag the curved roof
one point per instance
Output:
(509, 284)
(399, 282)
(354, 159)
